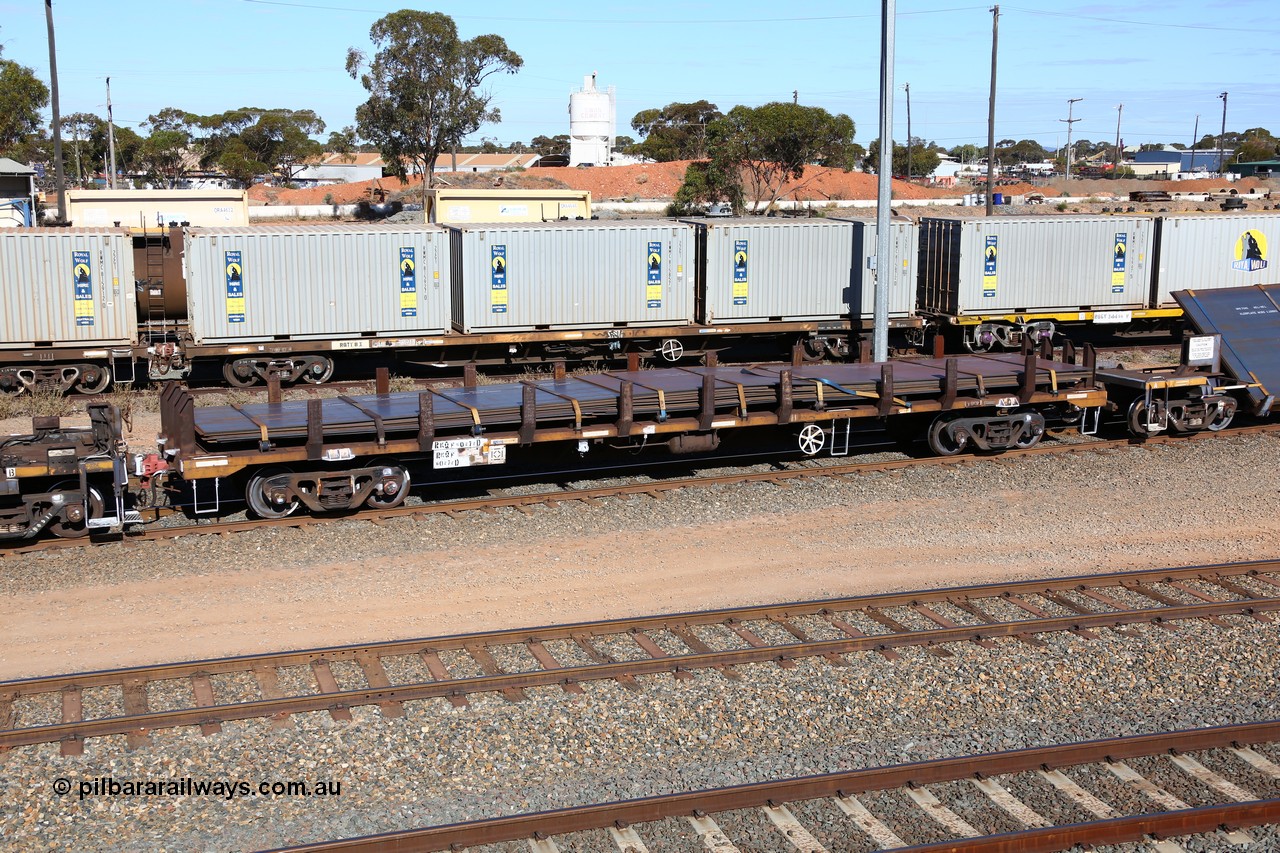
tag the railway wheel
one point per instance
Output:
(318, 371)
(239, 374)
(394, 487)
(65, 528)
(671, 350)
(944, 441)
(93, 380)
(1221, 419)
(812, 438)
(1137, 419)
(1031, 436)
(270, 499)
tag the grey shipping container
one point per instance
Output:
(571, 275)
(904, 242)
(760, 270)
(324, 282)
(1214, 251)
(1032, 264)
(66, 287)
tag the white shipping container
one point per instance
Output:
(571, 275)
(66, 287)
(1030, 264)
(319, 282)
(899, 273)
(758, 270)
(1214, 251)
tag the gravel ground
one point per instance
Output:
(1208, 501)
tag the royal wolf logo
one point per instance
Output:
(1251, 252)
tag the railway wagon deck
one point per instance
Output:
(988, 402)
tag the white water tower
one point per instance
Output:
(592, 124)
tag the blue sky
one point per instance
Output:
(1166, 62)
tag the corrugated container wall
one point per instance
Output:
(1215, 251)
(1028, 264)
(66, 286)
(754, 271)
(904, 242)
(316, 282)
(567, 275)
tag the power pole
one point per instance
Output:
(111, 141)
(1195, 137)
(991, 110)
(1071, 104)
(60, 177)
(1221, 168)
(907, 86)
(1115, 168)
(795, 96)
(884, 187)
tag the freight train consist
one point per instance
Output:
(341, 454)
(89, 307)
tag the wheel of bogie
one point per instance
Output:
(101, 378)
(671, 349)
(402, 484)
(64, 529)
(1221, 419)
(1031, 436)
(1137, 419)
(234, 379)
(256, 495)
(940, 443)
(812, 438)
(319, 372)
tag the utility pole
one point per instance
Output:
(60, 177)
(111, 141)
(991, 110)
(795, 96)
(1115, 167)
(1195, 135)
(1221, 168)
(884, 188)
(907, 86)
(1071, 103)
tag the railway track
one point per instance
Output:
(653, 489)
(829, 809)
(335, 679)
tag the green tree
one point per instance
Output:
(276, 140)
(767, 146)
(706, 183)
(164, 154)
(343, 142)
(424, 88)
(548, 145)
(675, 132)
(966, 153)
(86, 136)
(924, 158)
(22, 96)
(1257, 143)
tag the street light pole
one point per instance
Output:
(1071, 103)
(60, 178)
(1223, 133)
(884, 188)
(907, 86)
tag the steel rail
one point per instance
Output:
(630, 625)
(561, 676)
(648, 809)
(491, 504)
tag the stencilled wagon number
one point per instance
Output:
(613, 333)
(10, 473)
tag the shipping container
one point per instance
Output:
(466, 204)
(322, 282)
(65, 287)
(1031, 264)
(904, 241)
(758, 270)
(1213, 251)
(571, 275)
(153, 210)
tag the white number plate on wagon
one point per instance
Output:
(465, 452)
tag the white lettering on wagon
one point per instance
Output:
(466, 452)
